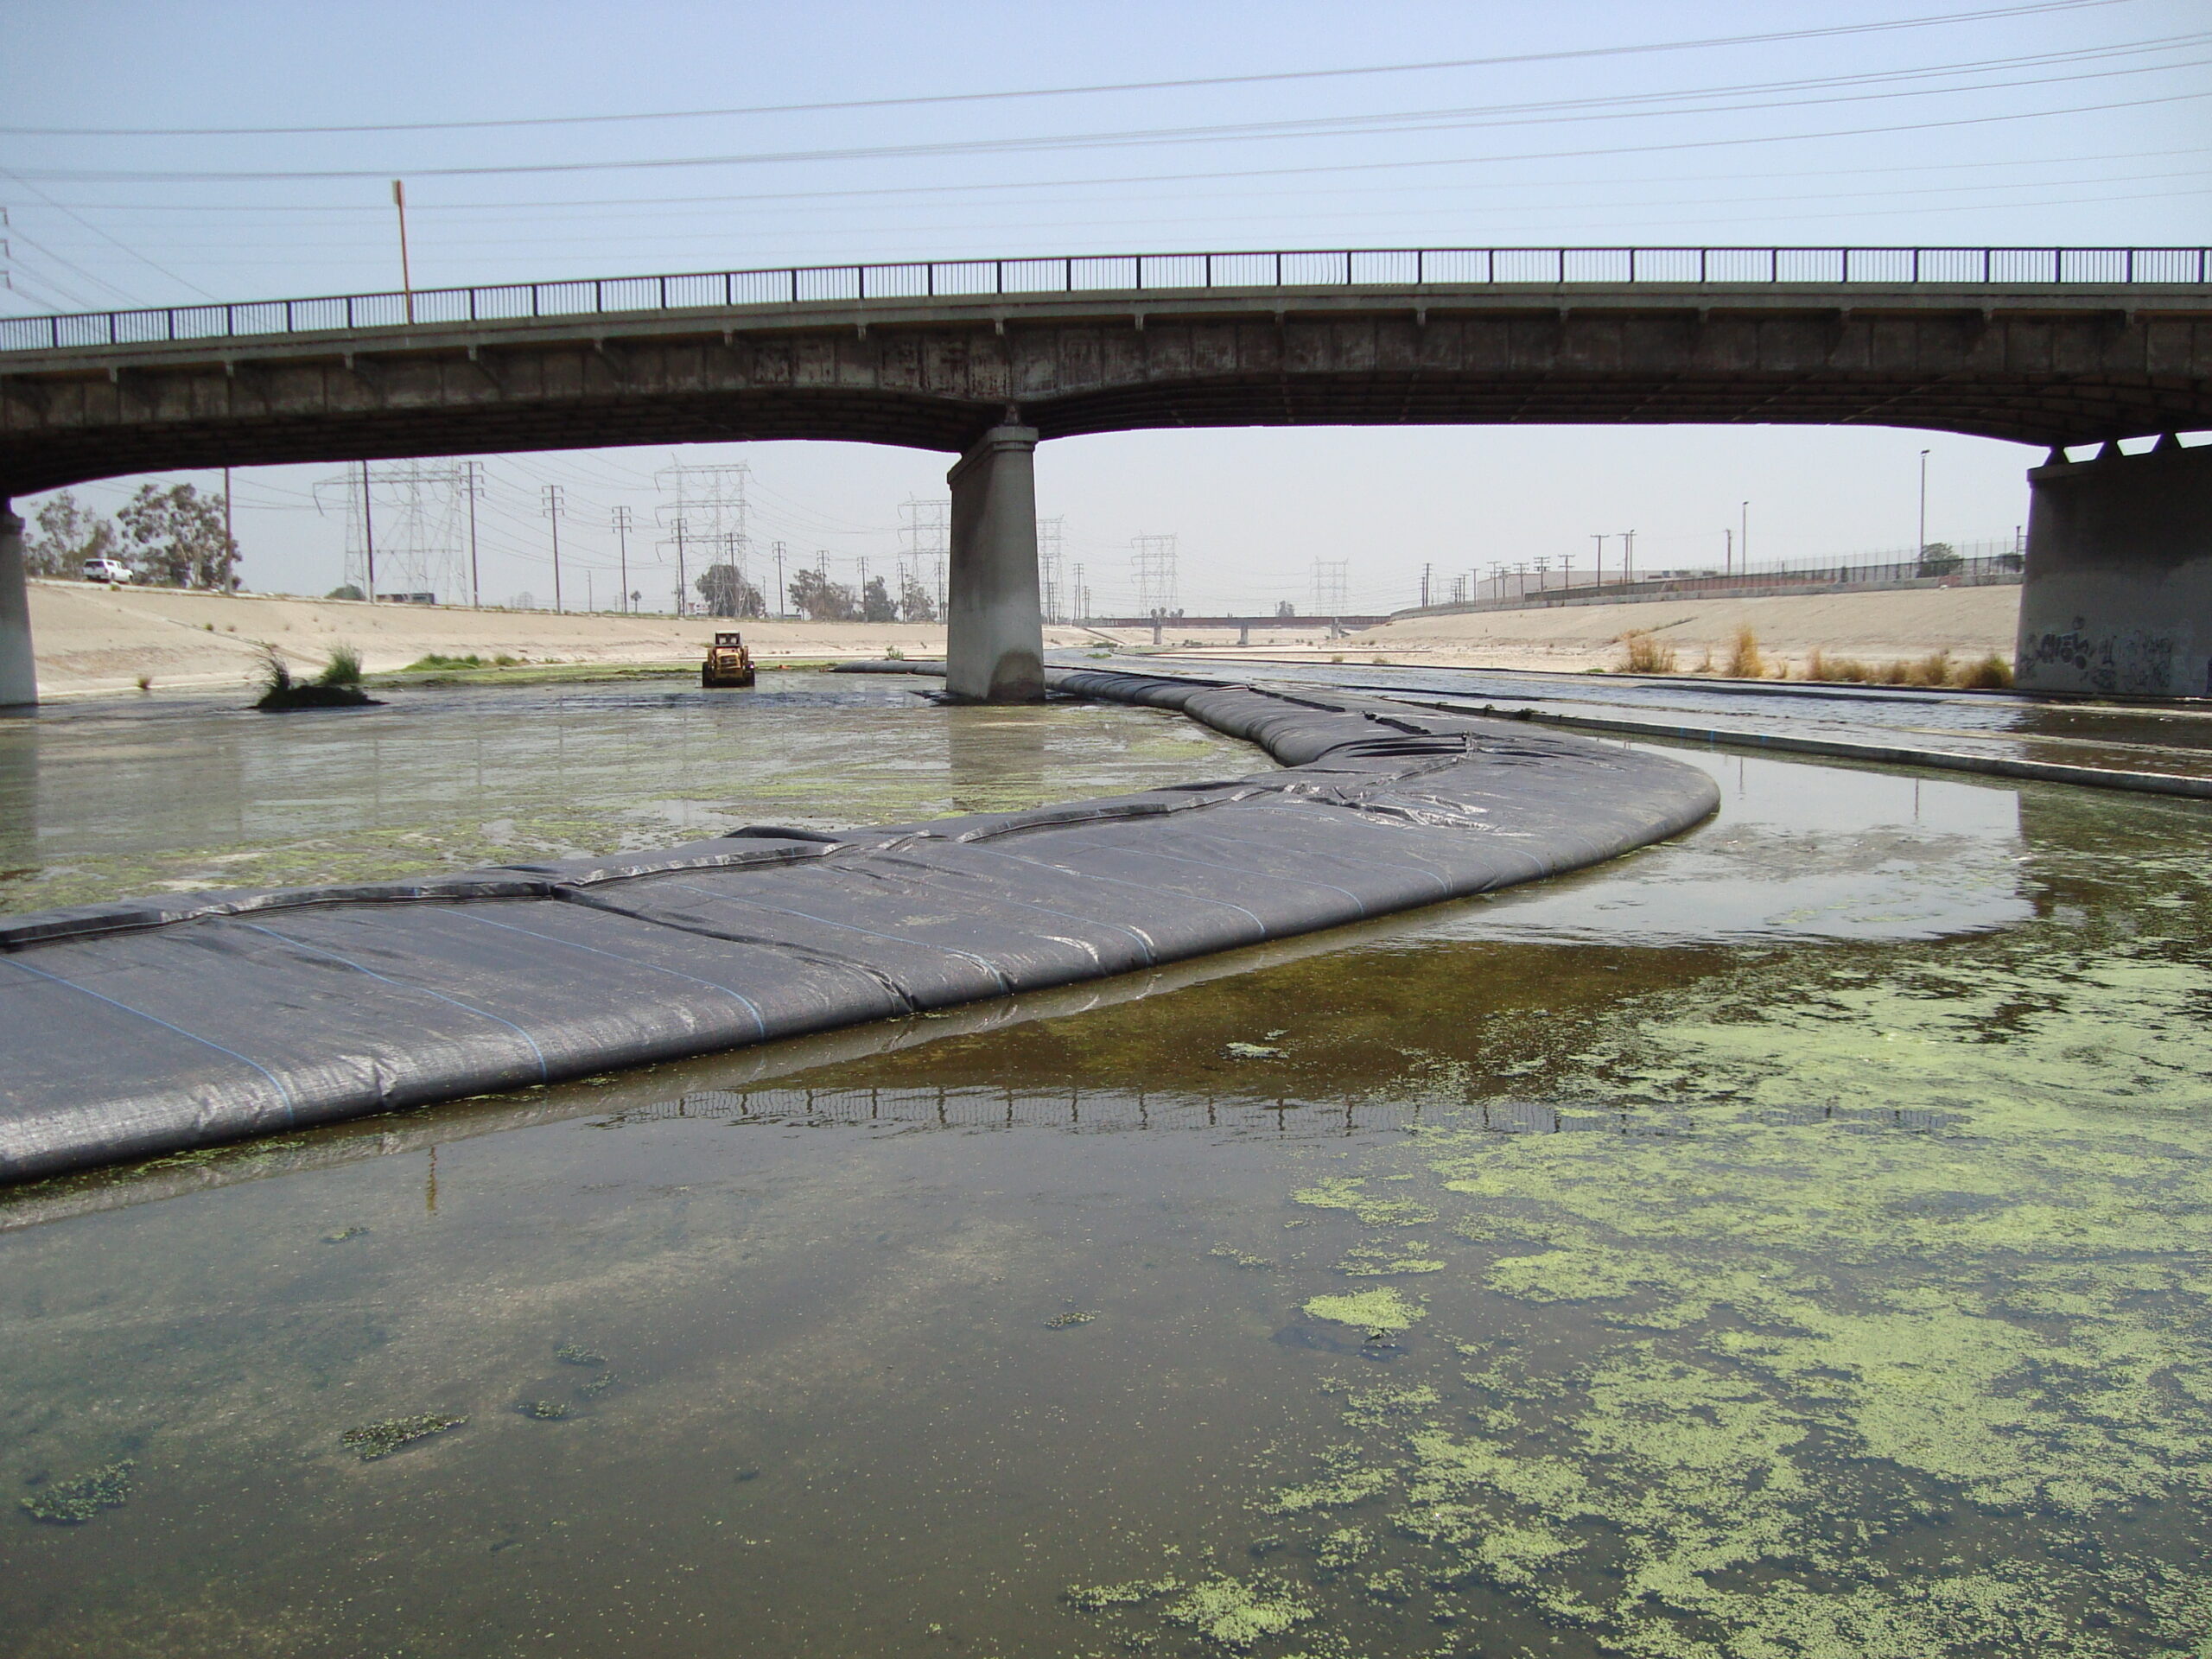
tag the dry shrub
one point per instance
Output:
(1992, 673)
(1744, 662)
(1846, 671)
(1704, 663)
(1934, 669)
(1897, 672)
(1641, 653)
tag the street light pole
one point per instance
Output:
(1744, 536)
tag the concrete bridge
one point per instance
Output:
(987, 358)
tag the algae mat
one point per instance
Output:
(1597, 1269)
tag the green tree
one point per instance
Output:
(68, 534)
(175, 538)
(875, 602)
(1938, 559)
(818, 600)
(915, 604)
(728, 593)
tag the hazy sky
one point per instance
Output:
(2076, 124)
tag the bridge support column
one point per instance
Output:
(994, 626)
(2117, 595)
(18, 667)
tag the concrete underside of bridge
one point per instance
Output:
(2049, 365)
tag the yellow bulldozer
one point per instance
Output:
(728, 663)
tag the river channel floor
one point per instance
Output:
(1788, 1240)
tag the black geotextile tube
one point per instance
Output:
(153, 1026)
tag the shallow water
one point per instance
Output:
(2171, 738)
(123, 799)
(1790, 1240)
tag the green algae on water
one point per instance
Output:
(381, 1439)
(1382, 1310)
(1237, 1612)
(73, 1502)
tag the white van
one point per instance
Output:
(106, 570)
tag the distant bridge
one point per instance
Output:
(2044, 346)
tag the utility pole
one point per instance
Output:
(1566, 569)
(369, 533)
(229, 541)
(1728, 553)
(1424, 587)
(553, 510)
(1744, 538)
(473, 479)
(782, 598)
(406, 278)
(1082, 602)
(1628, 556)
(622, 532)
(1600, 540)
(680, 600)
(1920, 547)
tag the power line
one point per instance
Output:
(1192, 83)
(642, 204)
(1785, 94)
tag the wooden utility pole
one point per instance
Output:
(406, 275)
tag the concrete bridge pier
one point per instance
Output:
(2117, 594)
(18, 667)
(995, 624)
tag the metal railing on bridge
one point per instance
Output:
(1092, 273)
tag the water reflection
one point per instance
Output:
(195, 792)
(18, 800)
(1797, 852)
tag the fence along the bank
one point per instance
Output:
(1994, 563)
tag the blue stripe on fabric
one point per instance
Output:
(291, 1106)
(544, 1072)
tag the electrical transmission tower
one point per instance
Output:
(407, 518)
(706, 506)
(1050, 535)
(1329, 586)
(1152, 560)
(925, 540)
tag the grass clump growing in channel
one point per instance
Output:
(338, 686)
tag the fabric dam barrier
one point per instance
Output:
(150, 1025)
